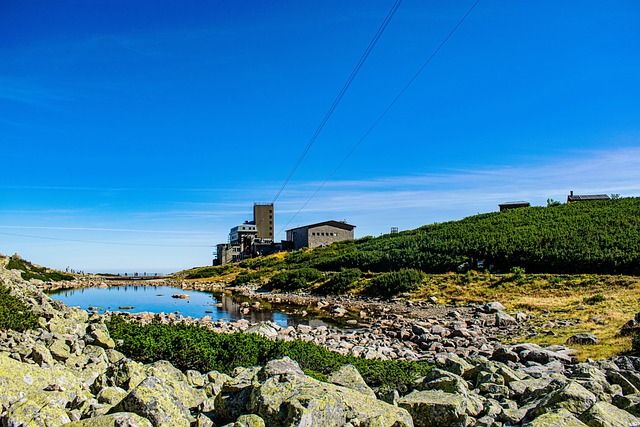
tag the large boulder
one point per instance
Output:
(126, 374)
(630, 403)
(572, 397)
(18, 379)
(603, 414)
(438, 379)
(582, 339)
(534, 353)
(303, 401)
(45, 408)
(177, 381)
(157, 401)
(99, 335)
(435, 408)
(593, 379)
(348, 376)
(557, 418)
(121, 419)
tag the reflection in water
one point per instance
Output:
(158, 299)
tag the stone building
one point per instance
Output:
(586, 197)
(513, 205)
(320, 234)
(263, 220)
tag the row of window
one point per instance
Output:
(323, 234)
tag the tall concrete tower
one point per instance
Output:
(263, 214)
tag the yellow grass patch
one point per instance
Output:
(597, 304)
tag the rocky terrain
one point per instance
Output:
(69, 372)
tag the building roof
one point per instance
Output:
(515, 204)
(337, 224)
(577, 198)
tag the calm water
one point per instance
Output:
(158, 299)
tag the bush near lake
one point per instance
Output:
(395, 282)
(206, 272)
(29, 271)
(15, 314)
(291, 280)
(341, 282)
(245, 277)
(636, 342)
(193, 347)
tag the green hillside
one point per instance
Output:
(581, 237)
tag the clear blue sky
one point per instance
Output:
(153, 127)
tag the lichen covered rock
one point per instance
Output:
(603, 414)
(121, 419)
(435, 408)
(557, 418)
(155, 400)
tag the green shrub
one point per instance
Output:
(14, 313)
(601, 237)
(207, 272)
(193, 347)
(29, 271)
(594, 299)
(636, 343)
(342, 282)
(246, 277)
(517, 273)
(395, 282)
(292, 280)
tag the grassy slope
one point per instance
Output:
(30, 271)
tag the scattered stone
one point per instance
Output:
(582, 339)
(493, 307)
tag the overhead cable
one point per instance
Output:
(381, 116)
(362, 60)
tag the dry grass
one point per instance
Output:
(588, 303)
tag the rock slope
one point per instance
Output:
(69, 372)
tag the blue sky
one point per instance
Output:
(135, 134)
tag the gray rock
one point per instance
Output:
(121, 419)
(534, 353)
(348, 376)
(504, 354)
(155, 400)
(283, 366)
(438, 379)
(40, 409)
(582, 339)
(453, 363)
(572, 397)
(100, 335)
(620, 379)
(630, 403)
(557, 418)
(435, 408)
(493, 307)
(263, 329)
(195, 378)
(111, 395)
(504, 320)
(60, 350)
(249, 420)
(603, 414)
(303, 401)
